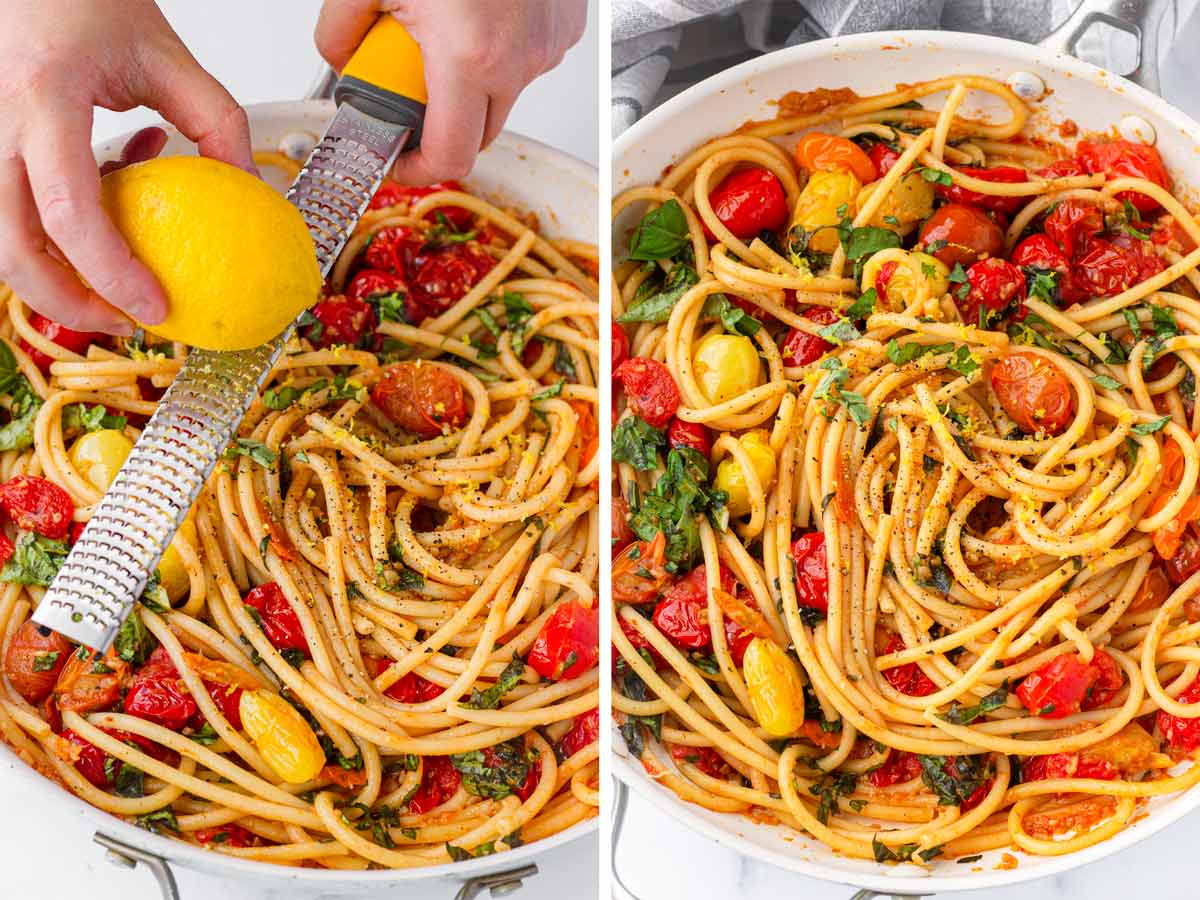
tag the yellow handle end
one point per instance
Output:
(389, 59)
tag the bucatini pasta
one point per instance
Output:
(907, 532)
(373, 644)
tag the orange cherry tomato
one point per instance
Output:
(90, 681)
(420, 397)
(35, 657)
(639, 574)
(1034, 392)
(820, 152)
(960, 234)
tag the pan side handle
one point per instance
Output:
(1140, 18)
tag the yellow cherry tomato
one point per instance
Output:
(901, 283)
(732, 480)
(98, 455)
(818, 207)
(909, 202)
(172, 574)
(775, 686)
(284, 739)
(726, 366)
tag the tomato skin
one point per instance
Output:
(1186, 561)
(439, 782)
(280, 623)
(620, 347)
(67, 338)
(706, 759)
(1072, 223)
(737, 638)
(584, 731)
(800, 348)
(370, 283)
(969, 235)
(1039, 252)
(649, 389)
(441, 276)
(908, 677)
(1062, 168)
(1181, 735)
(82, 689)
(639, 643)
(21, 666)
(230, 835)
(1065, 685)
(35, 504)
(571, 629)
(996, 286)
(682, 613)
(393, 249)
(1118, 159)
(622, 534)
(420, 397)
(899, 767)
(1066, 765)
(820, 152)
(1107, 266)
(342, 320)
(1034, 392)
(812, 574)
(749, 201)
(91, 760)
(158, 695)
(638, 572)
(1107, 684)
(690, 434)
(998, 174)
(390, 194)
(882, 158)
(228, 699)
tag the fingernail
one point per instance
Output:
(148, 311)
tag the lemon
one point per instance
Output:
(235, 259)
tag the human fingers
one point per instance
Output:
(145, 144)
(341, 26)
(499, 106)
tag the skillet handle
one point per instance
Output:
(122, 854)
(1140, 18)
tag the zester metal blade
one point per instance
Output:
(109, 565)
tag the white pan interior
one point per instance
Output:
(516, 171)
(873, 64)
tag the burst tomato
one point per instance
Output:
(584, 731)
(279, 621)
(341, 320)
(393, 249)
(441, 276)
(960, 234)
(706, 759)
(1186, 561)
(391, 194)
(737, 638)
(800, 348)
(907, 678)
(622, 534)
(620, 347)
(370, 283)
(439, 782)
(1062, 168)
(993, 202)
(690, 434)
(682, 613)
(1066, 684)
(35, 504)
(639, 643)
(1108, 266)
(820, 152)
(639, 573)
(899, 768)
(568, 644)
(995, 288)
(649, 389)
(420, 397)
(89, 760)
(748, 202)
(34, 658)
(90, 681)
(882, 159)
(1040, 254)
(1034, 392)
(812, 574)
(1118, 159)
(1067, 765)
(228, 699)
(1180, 734)
(1072, 223)
(230, 835)
(67, 338)
(158, 695)
(533, 774)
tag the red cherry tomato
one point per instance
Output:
(706, 759)
(391, 194)
(393, 249)
(158, 695)
(682, 613)
(568, 644)
(1108, 266)
(1067, 765)
(1034, 392)
(439, 782)
(1181, 735)
(907, 678)
(737, 638)
(801, 348)
(812, 573)
(1063, 686)
(622, 534)
(998, 174)
(639, 643)
(90, 681)
(898, 768)
(67, 338)
(34, 658)
(690, 434)
(649, 389)
(585, 730)
(89, 760)
(620, 346)
(228, 698)
(280, 623)
(420, 397)
(639, 573)
(1118, 159)
(35, 504)
(821, 152)
(411, 688)
(1072, 223)
(882, 158)
(1062, 168)
(230, 835)
(1039, 253)
(1186, 561)
(441, 276)
(533, 775)
(748, 202)
(341, 320)
(370, 283)
(995, 287)
(960, 234)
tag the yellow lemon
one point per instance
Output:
(235, 259)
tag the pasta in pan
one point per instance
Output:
(906, 539)
(374, 642)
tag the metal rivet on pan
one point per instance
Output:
(1027, 86)
(1135, 128)
(297, 145)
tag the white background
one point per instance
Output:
(262, 50)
